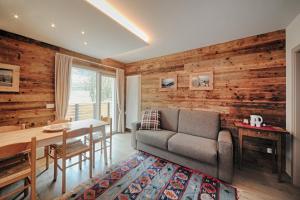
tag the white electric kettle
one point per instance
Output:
(256, 120)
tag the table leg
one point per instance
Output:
(274, 164)
(46, 154)
(279, 158)
(104, 144)
(240, 149)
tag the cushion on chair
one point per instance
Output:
(150, 120)
(199, 123)
(12, 169)
(70, 141)
(155, 138)
(72, 149)
(198, 148)
(97, 136)
(15, 157)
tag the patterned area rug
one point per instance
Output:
(144, 176)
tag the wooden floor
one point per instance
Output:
(251, 184)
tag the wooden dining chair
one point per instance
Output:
(19, 169)
(12, 160)
(69, 150)
(47, 149)
(98, 138)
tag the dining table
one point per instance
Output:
(44, 138)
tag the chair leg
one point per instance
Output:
(110, 148)
(26, 190)
(33, 187)
(94, 151)
(46, 153)
(85, 142)
(101, 146)
(63, 190)
(55, 165)
(80, 161)
(91, 163)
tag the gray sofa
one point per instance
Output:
(189, 138)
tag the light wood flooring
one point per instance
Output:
(251, 184)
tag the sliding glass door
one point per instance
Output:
(108, 98)
(92, 94)
(83, 94)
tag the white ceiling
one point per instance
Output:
(172, 25)
(178, 25)
(104, 36)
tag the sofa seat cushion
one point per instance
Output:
(198, 148)
(154, 138)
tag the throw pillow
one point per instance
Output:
(150, 120)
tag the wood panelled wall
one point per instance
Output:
(36, 61)
(249, 78)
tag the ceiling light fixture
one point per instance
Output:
(110, 11)
(16, 16)
(82, 32)
(53, 25)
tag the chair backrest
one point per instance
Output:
(18, 148)
(77, 133)
(59, 121)
(107, 120)
(4, 129)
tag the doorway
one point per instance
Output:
(296, 136)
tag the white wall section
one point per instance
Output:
(133, 99)
(293, 103)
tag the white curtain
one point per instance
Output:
(63, 67)
(120, 100)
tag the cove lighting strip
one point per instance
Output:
(113, 13)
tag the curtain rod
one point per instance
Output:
(84, 60)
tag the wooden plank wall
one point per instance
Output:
(249, 78)
(36, 61)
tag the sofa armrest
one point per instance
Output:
(134, 127)
(225, 156)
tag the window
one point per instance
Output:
(92, 94)
(83, 94)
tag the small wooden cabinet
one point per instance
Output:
(275, 134)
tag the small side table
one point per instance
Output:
(272, 133)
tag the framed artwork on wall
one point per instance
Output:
(9, 78)
(168, 82)
(202, 81)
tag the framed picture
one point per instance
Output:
(9, 78)
(168, 82)
(202, 81)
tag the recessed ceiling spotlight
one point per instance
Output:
(16, 16)
(85, 43)
(53, 25)
(82, 32)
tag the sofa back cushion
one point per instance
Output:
(169, 119)
(199, 123)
